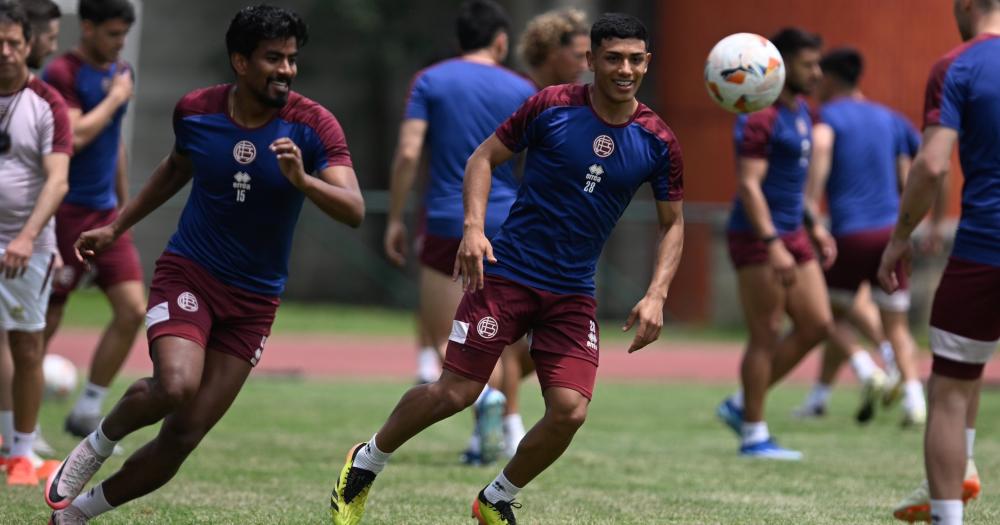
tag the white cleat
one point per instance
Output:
(68, 516)
(917, 506)
(71, 476)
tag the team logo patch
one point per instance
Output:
(603, 146)
(800, 126)
(244, 152)
(188, 302)
(487, 327)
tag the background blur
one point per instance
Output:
(363, 53)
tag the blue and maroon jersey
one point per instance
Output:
(863, 187)
(240, 216)
(463, 102)
(92, 172)
(783, 137)
(580, 174)
(963, 94)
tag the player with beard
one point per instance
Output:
(44, 16)
(97, 86)
(253, 150)
(770, 248)
(589, 149)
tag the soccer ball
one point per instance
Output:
(60, 377)
(744, 73)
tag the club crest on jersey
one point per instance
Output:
(595, 174)
(241, 183)
(244, 152)
(487, 327)
(603, 146)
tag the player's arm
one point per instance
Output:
(335, 190)
(167, 179)
(752, 172)
(649, 311)
(86, 126)
(404, 171)
(929, 170)
(475, 194)
(819, 172)
(121, 175)
(18, 251)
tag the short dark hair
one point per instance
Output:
(13, 13)
(41, 12)
(844, 64)
(100, 11)
(254, 24)
(478, 23)
(791, 40)
(617, 25)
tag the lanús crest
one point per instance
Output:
(744, 73)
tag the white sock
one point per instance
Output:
(100, 442)
(863, 365)
(737, 399)
(913, 395)
(22, 444)
(819, 395)
(428, 364)
(7, 429)
(500, 490)
(371, 458)
(482, 395)
(475, 447)
(90, 400)
(970, 440)
(888, 357)
(755, 432)
(92, 503)
(513, 425)
(946, 511)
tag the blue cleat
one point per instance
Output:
(769, 449)
(731, 415)
(489, 424)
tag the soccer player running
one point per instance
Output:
(554, 45)
(253, 150)
(35, 144)
(861, 154)
(455, 105)
(43, 16)
(589, 148)
(97, 86)
(962, 104)
(775, 265)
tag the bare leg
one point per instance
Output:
(517, 365)
(809, 307)
(153, 465)
(28, 381)
(864, 315)
(128, 305)
(762, 299)
(565, 412)
(897, 330)
(424, 405)
(6, 374)
(944, 441)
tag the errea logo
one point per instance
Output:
(244, 152)
(241, 183)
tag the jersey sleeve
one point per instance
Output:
(668, 179)
(908, 139)
(61, 75)
(753, 135)
(418, 103)
(329, 145)
(54, 129)
(517, 132)
(944, 95)
(180, 131)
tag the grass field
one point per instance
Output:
(649, 454)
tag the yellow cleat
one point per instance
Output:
(347, 502)
(499, 513)
(917, 506)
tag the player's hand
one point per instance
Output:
(395, 242)
(290, 161)
(782, 262)
(896, 252)
(649, 313)
(469, 260)
(16, 257)
(93, 241)
(825, 244)
(122, 85)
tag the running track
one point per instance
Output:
(330, 355)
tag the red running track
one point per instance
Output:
(329, 355)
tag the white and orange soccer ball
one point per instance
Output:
(60, 377)
(744, 73)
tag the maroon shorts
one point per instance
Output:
(746, 249)
(438, 253)
(563, 333)
(965, 319)
(119, 263)
(188, 302)
(858, 257)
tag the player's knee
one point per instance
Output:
(816, 331)
(455, 398)
(569, 417)
(175, 390)
(130, 316)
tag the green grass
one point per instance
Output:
(649, 454)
